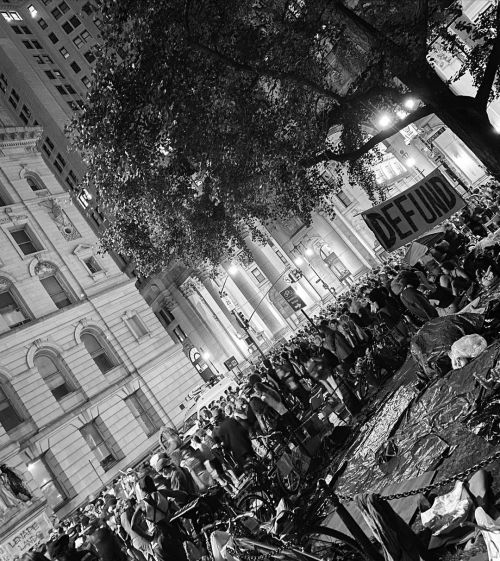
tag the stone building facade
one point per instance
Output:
(88, 375)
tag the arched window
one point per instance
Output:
(98, 351)
(35, 183)
(12, 312)
(53, 373)
(9, 416)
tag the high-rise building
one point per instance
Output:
(88, 375)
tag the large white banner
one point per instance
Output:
(32, 534)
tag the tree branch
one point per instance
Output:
(484, 90)
(328, 155)
(268, 73)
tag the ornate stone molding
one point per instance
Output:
(64, 224)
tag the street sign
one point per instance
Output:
(409, 214)
(293, 299)
(230, 363)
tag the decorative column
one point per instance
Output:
(265, 311)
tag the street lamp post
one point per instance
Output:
(299, 260)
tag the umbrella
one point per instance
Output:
(415, 252)
(432, 237)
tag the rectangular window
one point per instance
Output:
(42, 23)
(26, 30)
(179, 333)
(61, 90)
(48, 146)
(25, 114)
(98, 445)
(53, 37)
(92, 265)
(33, 11)
(67, 27)
(3, 83)
(50, 74)
(70, 89)
(87, 8)
(85, 35)
(98, 23)
(46, 2)
(78, 42)
(59, 163)
(2, 201)
(42, 473)
(343, 198)
(14, 98)
(64, 52)
(47, 59)
(25, 240)
(166, 315)
(75, 67)
(63, 7)
(281, 257)
(75, 22)
(258, 275)
(9, 417)
(16, 29)
(56, 13)
(11, 16)
(86, 81)
(58, 74)
(89, 56)
(73, 105)
(28, 45)
(10, 311)
(138, 328)
(39, 59)
(36, 44)
(56, 291)
(143, 412)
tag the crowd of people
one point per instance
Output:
(130, 519)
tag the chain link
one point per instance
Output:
(462, 475)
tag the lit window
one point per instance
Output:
(143, 412)
(86, 81)
(75, 67)
(64, 52)
(53, 37)
(11, 16)
(9, 417)
(48, 483)
(56, 291)
(11, 311)
(258, 275)
(25, 240)
(42, 23)
(97, 352)
(97, 444)
(58, 74)
(85, 35)
(51, 372)
(179, 333)
(78, 42)
(32, 10)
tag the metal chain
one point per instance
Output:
(255, 556)
(462, 475)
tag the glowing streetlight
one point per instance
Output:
(233, 270)
(401, 114)
(410, 162)
(309, 252)
(384, 121)
(410, 103)
(206, 355)
(298, 261)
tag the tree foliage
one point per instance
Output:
(205, 115)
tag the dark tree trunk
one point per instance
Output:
(461, 114)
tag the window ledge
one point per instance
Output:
(34, 254)
(98, 276)
(71, 400)
(22, 431)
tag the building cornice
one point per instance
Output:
(19, 138)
